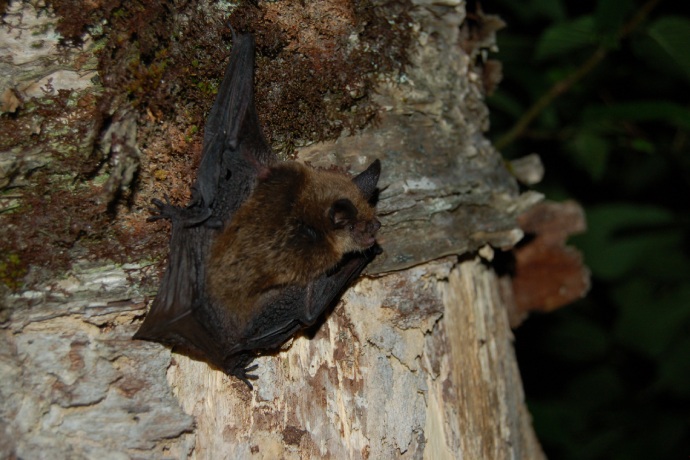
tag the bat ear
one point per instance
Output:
(342, 212)
(366, 180)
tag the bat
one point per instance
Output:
(264, 247)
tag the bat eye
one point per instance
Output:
(342, 212)
(351, 227)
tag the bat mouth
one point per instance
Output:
(366, 241)
(368, 238)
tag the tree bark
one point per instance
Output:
(415, 361)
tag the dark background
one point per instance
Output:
(609, 376)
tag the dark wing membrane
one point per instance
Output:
(234, 144)
(171, 320)
(291, 308)
(234, 149)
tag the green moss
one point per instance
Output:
(12, 271)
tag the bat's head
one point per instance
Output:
(352, 216)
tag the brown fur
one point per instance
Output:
(267, 243)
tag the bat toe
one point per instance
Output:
(242, 374)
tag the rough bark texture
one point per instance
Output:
(416, 361)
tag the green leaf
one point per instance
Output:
(557, 420)
(655, 63)
(672, 34)
(616, 243)
(649, 317)
(666, 111)
(580, 340)
(590, 151)
(675, 368)
(566, 37)
(514, 49)
(506, 102)
(610, 14)
(552, 9)
(596, 387)
(643, 145)
(664, 260)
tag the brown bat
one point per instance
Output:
(264, 247)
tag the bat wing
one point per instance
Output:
(171, 319)
(235, 148)
(292, 308)
(234, 151)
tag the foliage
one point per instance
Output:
(610, 376)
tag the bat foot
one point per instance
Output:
(242, 374)
(239, 367)
(188, 217)
(162, 210)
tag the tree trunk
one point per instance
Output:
(415, 361)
